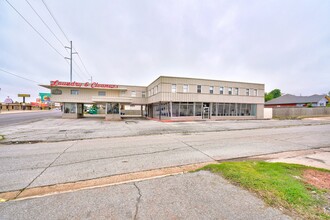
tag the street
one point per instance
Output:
(7, 119)
(103, 176)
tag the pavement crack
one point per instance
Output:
(120, 156)
(137, 202)
(286, 141)
(43, 170)
(196, 149)
(315, 159)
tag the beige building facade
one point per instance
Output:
(167, 98)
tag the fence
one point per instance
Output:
(294, 112)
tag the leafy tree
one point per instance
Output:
(275, 93)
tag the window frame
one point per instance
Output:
(173, 88)
(221, 90)
(199, 88)
(230, 90)
(74, 93)
(185, 88)
(211, 89)
(101, 92)
(236, 91)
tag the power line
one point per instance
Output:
(52, 31)
(83, 64)
(78, 75)
(34, 29)
(40, 36)
(79, 67)
(5, 71)
(45, 23)
(58, 25)
(75, 71)
(51, 14)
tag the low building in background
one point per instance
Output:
(167, 98)
(297, 101)
(15, 106)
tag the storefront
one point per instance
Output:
(167, 98)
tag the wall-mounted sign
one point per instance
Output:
(56, 92)
(57, 83)
(23, 95)
(44, 97)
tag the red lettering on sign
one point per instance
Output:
(78, 84)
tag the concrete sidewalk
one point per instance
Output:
(319, 158)
(200, 195)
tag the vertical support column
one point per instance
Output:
(106, 108)
(194, 108)
(160, 111)
(210, 110)
(141, 110)
(171, 109)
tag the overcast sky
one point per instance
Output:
(283, 44)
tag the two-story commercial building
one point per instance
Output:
(167, 98)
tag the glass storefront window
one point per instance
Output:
(175, 109)
(220, 109)
(232, 109)
(70, 108)
(226, 109)
(253, 109)
(184, 109)
(198, 109)
(214, 109)
(112, 108)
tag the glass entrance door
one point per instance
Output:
(206, 110)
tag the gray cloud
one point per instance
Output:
(284, 44)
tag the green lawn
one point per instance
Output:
(279, 184)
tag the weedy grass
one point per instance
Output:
(279, 184)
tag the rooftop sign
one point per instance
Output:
(57, 83)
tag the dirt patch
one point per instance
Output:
(317, 178)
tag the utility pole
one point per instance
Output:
(70, 59)
(91, 79)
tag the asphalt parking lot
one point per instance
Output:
(57, 129)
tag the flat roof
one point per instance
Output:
(218, 80)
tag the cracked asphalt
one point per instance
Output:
(200, 195)
(137, 147)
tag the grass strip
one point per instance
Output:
(281, 185)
